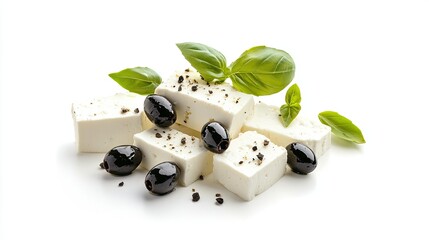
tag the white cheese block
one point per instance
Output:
(266, 121)
(246, 171)
(166, 144)
(103, 123)
(198, 102)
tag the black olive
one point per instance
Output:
(215, 137)
(122, 160)
(300, 158)
(159, 110)
(162, 178)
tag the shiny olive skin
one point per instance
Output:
(215, 137)
(159, 110)
(122, 160)
(162, 178)
(300, 158)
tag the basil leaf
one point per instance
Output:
(341, 126)
(289, 113)
(293, 95)
(209, 62)
(141, 80)
(290, 110)
(262, 71)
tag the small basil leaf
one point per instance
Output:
(289, 113)
(341, 126)
(141, 80)
(290, 110)
(262, 71)
(293, 94)
(209, 62)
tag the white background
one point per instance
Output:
(365, 59)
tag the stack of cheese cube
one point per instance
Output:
(255, 159)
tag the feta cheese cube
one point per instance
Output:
(266, 121)
(197, 102)
(166, 144)
(250, 165)
(103, 123)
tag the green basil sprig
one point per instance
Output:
(259, 71)
(341, 126)
(290, 110)
(141, 80)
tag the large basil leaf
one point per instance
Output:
(341, 126)
(141, 80)
(262, 71)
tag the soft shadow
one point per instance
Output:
(343, 143)
(68, 159)
(110, 177)
(158, 199)
(148, 196)
(209, 187)
(296, 184)
(160, 205)
(67, 154)
(85, 165)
